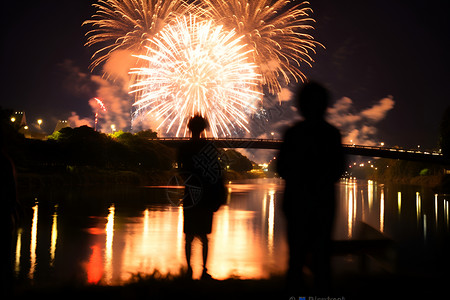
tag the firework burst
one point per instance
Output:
(211, 58)
(127, 24)
(277, 34)
(193, 66)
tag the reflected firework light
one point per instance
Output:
(195, 67)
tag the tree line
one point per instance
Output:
(85, 147)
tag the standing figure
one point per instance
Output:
(311, 161)
(204, 189)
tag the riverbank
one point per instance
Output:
(345, 286)
(94, 177)
(438, 183)
(430, 181)
(89, 176)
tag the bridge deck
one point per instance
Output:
(372, 151)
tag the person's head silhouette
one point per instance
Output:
(196, 125)
(312, 101)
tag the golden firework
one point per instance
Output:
(277, 33)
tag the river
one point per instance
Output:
(107, 236)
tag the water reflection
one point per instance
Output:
(350, 213)
(436, 209)
(418, 207)
(425, 227)
(153, 242)
(446, 213)
(33, 243)
(109, 229)
(138, 236)
(270, 220)
(390, 210)
(54, 236)
(370, 193)
(18, 250)
(94, 267)
(382, 210)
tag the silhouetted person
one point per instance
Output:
(204, 189)
(8, 217)
(311, 160)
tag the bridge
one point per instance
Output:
(350, 149)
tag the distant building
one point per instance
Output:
(20, 123)
(60, 125)
(19, 119)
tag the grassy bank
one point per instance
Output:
(345, 286)
(89, 176)
(431, 181)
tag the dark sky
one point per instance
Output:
(373, 49)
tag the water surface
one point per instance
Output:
(107, 235)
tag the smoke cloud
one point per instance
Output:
(76, 121)
(359, 127)
(285, 95)
(112, 90)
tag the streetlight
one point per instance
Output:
(382, 144)
(39, 121)
(13, 119)
(113, 128)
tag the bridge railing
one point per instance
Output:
(278, 141)
(400, 150)
(219, 139)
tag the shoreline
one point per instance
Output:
(345, 285)
(90, 177)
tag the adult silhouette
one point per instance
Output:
(204, 189)
(310, 160)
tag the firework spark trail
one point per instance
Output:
(100, 103)
(102, 107)
(276, 32)
(193, 66)
(127, 24)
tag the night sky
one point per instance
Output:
(374, 50)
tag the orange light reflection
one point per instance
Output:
(94, 267)
(33, 242)
(243, 243)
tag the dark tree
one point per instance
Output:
(147, 134)
(444, 133)
(236, 161)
